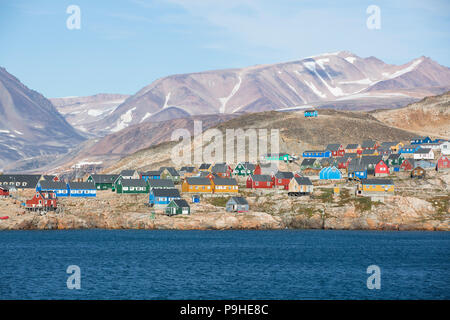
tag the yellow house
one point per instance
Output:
(376, 187)
(300, 185)
(225, 185)
(395, 148)
(197, 185)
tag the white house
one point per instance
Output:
(445, 148)
(424, 153)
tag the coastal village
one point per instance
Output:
(365, 172)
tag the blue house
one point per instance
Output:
(149, 175)
(82, 189)
(330, 173)
(409, 148)
(58, 187)
(421, 140)
(317, 154)
(310, 113)
(162, 197)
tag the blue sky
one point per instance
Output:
(124, 45)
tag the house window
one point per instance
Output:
(256, 183)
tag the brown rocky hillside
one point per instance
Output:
(429, 116)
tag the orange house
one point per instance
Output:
(225, 185)
(197, 185)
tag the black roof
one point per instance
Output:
(238, 200)
(181, 203)
(284, 175)
(394, 156)
(104, 178)
(22, 181)
(303, 181)
(52, 185)
(376, 181)
(261, 177)
(81, 185)
(151, 173)
(333, 146)
(248, 165)
(352, 146)
(171, 170)
(308, 161)
(173, 193)
(127, 173)
(368, 144)
(187, 169)
(198, 181)
(423, 150)
(161, 183)
(225, 181)
(219, 167)
(205, 166)
(49, 177)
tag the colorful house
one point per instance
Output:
(162, 197)
(170, 173)
(205, 167)
(82, 189)
(357, 169)
(424, 164)
(310, 163)
(150, 175)
(59, 188)
(337, 149)
(369, 144)
(352, 148)
(50, 177)
(330, 173)
(19, 181)
(381, 169)
(282, 179)
(344, 161)
(369, 152)
(42, 200)
(225, 185)
(269, 168)
(424, 153)
(178, 206)
(395, 159)
(409, 149)
(445, 148)
(418, 172)
(260, 181)
(278, 157)
(310, 113)
(132, 186)
(103, 181)
(244, 169)
(407, 165)
(375, 187)
(160, 184)
(443, 163)
(197, 185)
(316, 154)
(300, 186)
(237, 204)
(222, 170)
(420, 140)
(4, 192)
(188, 171)
(129, 174)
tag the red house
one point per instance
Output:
(282, 179)
(407, 165)
(381, 169)
(42, 200)
(443, 163)
(343, 162)
(260, 181)
(337, 150)
(4, 192)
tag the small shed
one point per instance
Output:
(237, 204)
(418, 172)
(178, 206)
(4, 192)
(195, 198)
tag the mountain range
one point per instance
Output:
(36, 132)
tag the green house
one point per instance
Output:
(131, 186)
(244, 169)
(103, 181)
(178, 206)
(312, 163)
(277, 157)
(170, 173)
(395, 159)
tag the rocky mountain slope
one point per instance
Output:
(429, 116)
(84, 113)
(29, 124)
(339, 80)
(297, 133)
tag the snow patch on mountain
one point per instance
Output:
(224, 100)
(124, 120)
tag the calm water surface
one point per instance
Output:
(131, 264)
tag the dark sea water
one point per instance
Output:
(224, 264)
